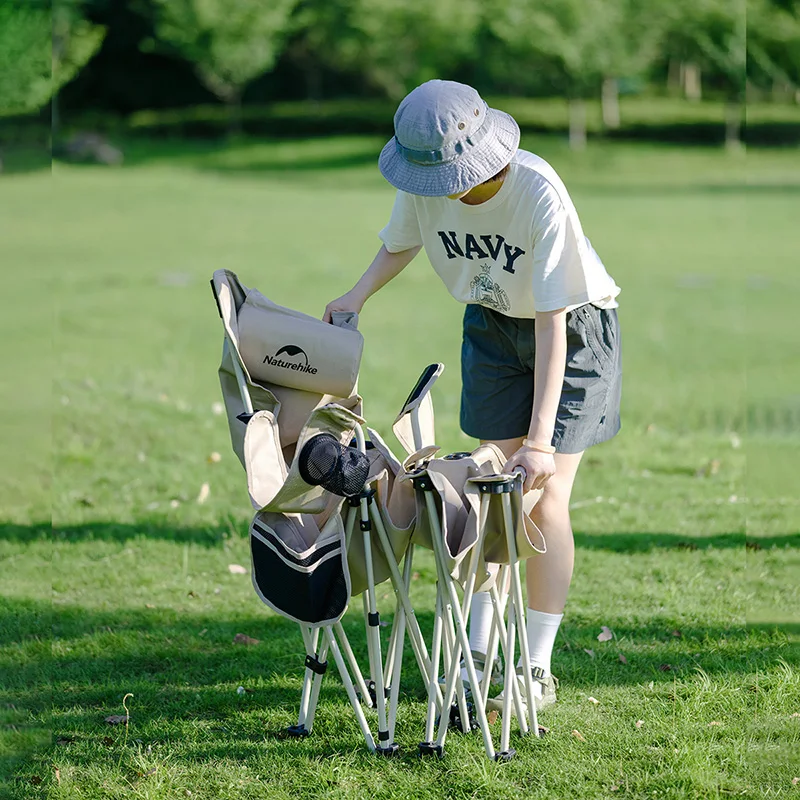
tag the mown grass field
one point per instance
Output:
(116, 579)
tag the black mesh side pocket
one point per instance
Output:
(337, 469)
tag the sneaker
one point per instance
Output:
(549, 685)
(479, 660)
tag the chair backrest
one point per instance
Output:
(291, 363)
(286, 368)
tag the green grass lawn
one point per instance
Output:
(116, 579)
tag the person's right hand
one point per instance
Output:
(352, 301)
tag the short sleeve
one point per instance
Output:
(559, 251)
(402, 231)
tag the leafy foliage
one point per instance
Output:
(74, 41)
(230, 42)
(24, 57)
(773, 42)
(41, 49)
(394, 44)
(712, 33)
(581, 41)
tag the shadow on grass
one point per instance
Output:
(212, 536)
(301, 158)
(256, 155)
(33, 157)
(78, 656)
(72, 666)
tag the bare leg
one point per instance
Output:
(549, 575)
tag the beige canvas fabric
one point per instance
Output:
(404, 431)
(458, 506)
(418, 458)
(282, 411)
(285, 347)
(528, 538)
(396, 505)
(286, 417)
(271, 485)
(291, 407)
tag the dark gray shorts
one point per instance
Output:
(497, 358)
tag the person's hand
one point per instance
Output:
(539, 467)
(352, 301)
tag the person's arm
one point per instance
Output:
(551, 360)
(384, 267)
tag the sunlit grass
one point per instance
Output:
(110, 393)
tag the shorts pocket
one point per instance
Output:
(598, 335)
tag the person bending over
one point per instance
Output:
(540, 359)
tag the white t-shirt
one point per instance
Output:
(520, 252)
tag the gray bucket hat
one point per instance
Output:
(447, 140)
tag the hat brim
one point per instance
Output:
(464, 172)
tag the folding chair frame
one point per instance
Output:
(334, 639)
(456, 615)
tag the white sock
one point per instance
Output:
(542, 630)
(480, 623)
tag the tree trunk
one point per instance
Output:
(234, 104)
(55, 121)
(733, 125)
(313, 76)
(692, 83)
(782, 90)
(610, 100)
(674, 76)
(577, 123)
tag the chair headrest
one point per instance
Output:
(284, 347)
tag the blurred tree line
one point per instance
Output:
(119, 56)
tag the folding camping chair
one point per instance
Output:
(472, 517)
(289, 384)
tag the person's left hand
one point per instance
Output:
(539, 467)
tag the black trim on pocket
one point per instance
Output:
(289, 554)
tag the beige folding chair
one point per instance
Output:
(472, 517)
(290, 389)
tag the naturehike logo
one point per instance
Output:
(291, 350)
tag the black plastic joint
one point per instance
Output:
(297, 731)
(315, 665)
(422, 484)
(374, 619)
(365, 525)
(354, 500)
(430, 749)
(456, 723)
(497, 488)
(383, 736)
(506, 755)
(390, 750)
